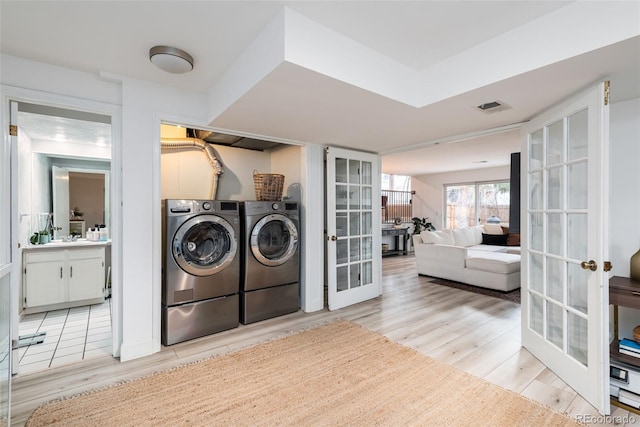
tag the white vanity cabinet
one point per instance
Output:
(62, 278)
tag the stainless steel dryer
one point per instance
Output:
(271, 260)
(201, 268)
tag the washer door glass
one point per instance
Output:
(274, 240)
(204, 244)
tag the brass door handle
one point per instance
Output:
(591, 265)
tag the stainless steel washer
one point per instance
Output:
(271, 260)
(200, 268)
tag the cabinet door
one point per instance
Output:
(44, 280)
(86, 274)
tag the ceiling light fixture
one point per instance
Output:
(171, 59)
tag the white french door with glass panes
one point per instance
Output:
(565, 311)
(353, 227)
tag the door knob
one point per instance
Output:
(591, 265)
(333, 238)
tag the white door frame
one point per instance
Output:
(11, 93)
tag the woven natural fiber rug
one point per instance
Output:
(335, 375)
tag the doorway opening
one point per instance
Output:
(64, 312)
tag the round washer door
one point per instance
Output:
(274, 240)
(204, 245)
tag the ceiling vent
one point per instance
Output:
(493, 107)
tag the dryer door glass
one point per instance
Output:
(274, 240)
(204, 244)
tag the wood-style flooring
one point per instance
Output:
(475, 333)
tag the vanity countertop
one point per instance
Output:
(59, 244)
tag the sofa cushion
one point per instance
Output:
(443, 237)
(488, 248)
(494, 239)
(477, 233)
(463, 237)
(495, 262)
(493, 229)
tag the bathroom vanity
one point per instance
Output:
(60, 275)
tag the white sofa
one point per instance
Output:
(459, 255)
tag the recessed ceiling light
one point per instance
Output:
(171, 59)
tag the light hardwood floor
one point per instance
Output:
(475, 333)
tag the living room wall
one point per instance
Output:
(624, 208)
(429, 200)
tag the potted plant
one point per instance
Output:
(421, 224)
(43, 236)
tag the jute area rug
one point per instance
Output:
(333, 375)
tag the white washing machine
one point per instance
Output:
(271, 271)
(200, 268)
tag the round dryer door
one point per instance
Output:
(204, 245)
(274, 240)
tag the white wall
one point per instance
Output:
(428, 201)
(624, 209)
(285, 160)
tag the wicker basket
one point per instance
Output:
(268, 186)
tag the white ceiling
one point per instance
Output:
(297, 103)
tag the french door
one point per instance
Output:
(353, 227)
(564, 281)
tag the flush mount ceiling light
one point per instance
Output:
(171, 59)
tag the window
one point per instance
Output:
(396, 198)
(467, 205)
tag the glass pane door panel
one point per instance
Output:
(535, 190)
(535, 314)
(342, 251)
(366, 173)
(367, 201)
(555, 279)
(536, 230)
(367, 248)
(577, 338)
(577, 294)
(554, 324)
(366, 223)
(367, 273)
(355, 275)
(535, 272)
(354, 249)
(341, 224)
(536, 159)
(354, 172)
(554, 184)
(354, 197)
(342, 194)
(577, 135)
(354, 223)
(555, 145)
(341, 170)
(342, 278)
(578, 197)
(577, 231)
(554, 230)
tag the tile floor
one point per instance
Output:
(72, 335)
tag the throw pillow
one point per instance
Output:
(494, 239)
(493, 229)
